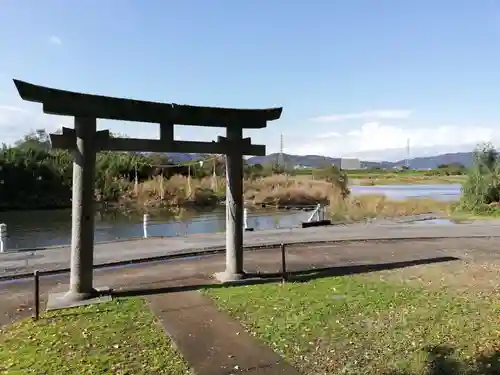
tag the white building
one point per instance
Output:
(350, 163)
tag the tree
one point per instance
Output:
(36, 140)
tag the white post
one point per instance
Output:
(145, 222)
(3, 238)
(245, 218)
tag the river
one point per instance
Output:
(29, 229)
(444, 192)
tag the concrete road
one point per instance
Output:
(19, 262)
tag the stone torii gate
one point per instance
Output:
(84, 141)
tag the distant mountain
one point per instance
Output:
(464, 158)
(181, 157)
(317, 161)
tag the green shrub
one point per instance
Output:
(481, 189)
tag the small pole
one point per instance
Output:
(36, 281)
(245, 218)
(136, 181)
(145, 222)
(3, 238)
(189, 181)
(162, 192)
(284, 276)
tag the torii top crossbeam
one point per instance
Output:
(68, 103)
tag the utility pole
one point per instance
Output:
(281, 160)
(407, 162)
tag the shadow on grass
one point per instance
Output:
(441, 362)
(294, 276)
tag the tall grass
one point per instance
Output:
(372, 206)
(481, 188)
(279, 190)
(276, 190)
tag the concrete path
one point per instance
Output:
(13, 263)
(210, 341)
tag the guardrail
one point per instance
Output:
(29, 239)
(318, 213)
(284, 276)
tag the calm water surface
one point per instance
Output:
(28, 229)
(444, 192)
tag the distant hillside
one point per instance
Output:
(464, 158)
(182, 158)
(317, 161)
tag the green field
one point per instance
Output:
(363, 325)
(119, 337)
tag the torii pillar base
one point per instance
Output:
(225, 277)
(66, 300)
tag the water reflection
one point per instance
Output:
(29, 229)
(444, 192)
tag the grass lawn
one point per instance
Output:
(365, 325)
(119, 337)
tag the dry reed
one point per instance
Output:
(280, 190)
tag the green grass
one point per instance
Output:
(119, 337)
(357, 325)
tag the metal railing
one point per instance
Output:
(282, 275)
(318, 214)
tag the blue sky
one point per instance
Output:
(355, 78)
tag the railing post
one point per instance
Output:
(3, 238)
(284, 275)
(145, 222)
(36, 286)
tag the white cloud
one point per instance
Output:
(17, 121)
(55, 40)
(384, 114)
(376, 141)
(11, 108)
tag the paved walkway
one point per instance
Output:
(210, 341)
(13, 263)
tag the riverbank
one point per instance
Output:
(277, 190)
(272, 191)
(373, 206)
